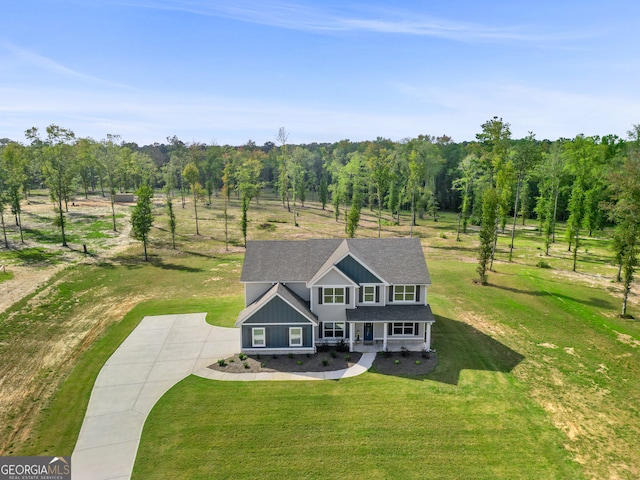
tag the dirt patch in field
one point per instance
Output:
(33, 364)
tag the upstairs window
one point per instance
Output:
(369, 294)
(334, 296)
(404, 293)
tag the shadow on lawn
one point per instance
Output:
(462, 347)
(137, 261)
(590, 302)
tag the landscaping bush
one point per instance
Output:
(342, 346)
(222, 362)
(543, 264)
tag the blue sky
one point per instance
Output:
(229, 71)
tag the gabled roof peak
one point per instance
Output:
(394, 260)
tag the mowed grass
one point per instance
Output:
(60, 426)
(537, 376)
(520, 392)
(6, 275)
(373, 427)
(95, 307)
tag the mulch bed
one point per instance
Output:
(412, 363)
(404, 363)
(288, 363)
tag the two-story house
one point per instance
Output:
(368, 293)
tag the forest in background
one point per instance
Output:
(588, 181)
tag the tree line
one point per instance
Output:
(491, 182)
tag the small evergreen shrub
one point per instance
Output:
(543, 264)
(222, 362)
(267, 227)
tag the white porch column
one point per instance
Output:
(427, 343)
(384, 341)
(351, 334)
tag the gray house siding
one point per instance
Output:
(253, 291)
(277, 336)
(277, 311)
(355, 271)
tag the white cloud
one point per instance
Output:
(298, 16)
(549, 113)
(20, 58)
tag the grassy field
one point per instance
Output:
(537, 378)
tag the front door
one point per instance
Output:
(368, 332)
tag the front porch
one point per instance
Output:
(393, 345)
(392, 328)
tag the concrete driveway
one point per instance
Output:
(159, 353)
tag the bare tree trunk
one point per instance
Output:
(4, 230)
(553, 223)
(195, 208)
(20, 227)
(575, 249)
(226, 224)
(515, 217)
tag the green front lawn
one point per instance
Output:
(533, 381)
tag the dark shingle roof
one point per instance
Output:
(283, 292)
(395, 260)
(391, 313)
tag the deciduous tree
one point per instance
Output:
(142, 216)
(192, 175)
(58, 167)
(625, 211)
(487, 232)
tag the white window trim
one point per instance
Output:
(255, 335)
(297, 336)
(404, 324)
(404, 294)
(344, 331)
(364, 294)
(333, 296)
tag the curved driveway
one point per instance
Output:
(161, 351)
